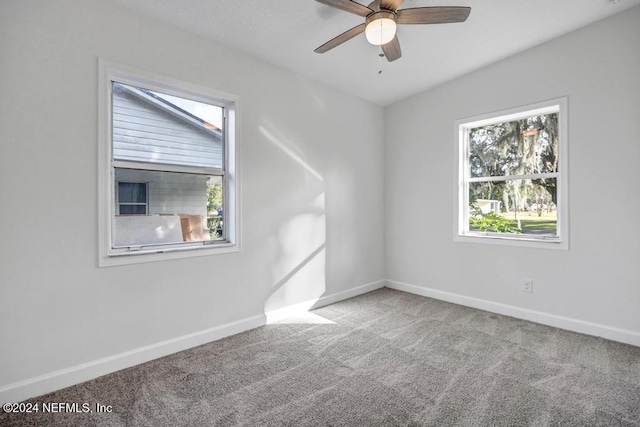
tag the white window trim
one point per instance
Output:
(461, 190)
(109, 71)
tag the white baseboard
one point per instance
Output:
(616, 334)
(21, 390)
(283, 313)
(52, 381)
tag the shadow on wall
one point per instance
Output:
(298, 241)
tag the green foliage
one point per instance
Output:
(214, 197)
(519, 147)
(214, 205)
(493, 222)
(212, 224)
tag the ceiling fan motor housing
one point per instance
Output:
(388, 14)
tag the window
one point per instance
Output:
(512, 177)
(132, 198)
(168, 174)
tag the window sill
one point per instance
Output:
(154, 255)
(510, 240)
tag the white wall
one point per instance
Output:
(312, 191)
(598, 279)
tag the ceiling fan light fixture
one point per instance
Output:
(381, 28)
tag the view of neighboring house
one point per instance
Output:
(150, 129)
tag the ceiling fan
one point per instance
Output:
(381, 18)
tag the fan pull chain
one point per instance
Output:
(381, 53)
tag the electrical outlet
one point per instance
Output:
(527, 285)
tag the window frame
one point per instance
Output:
(109, 71)
(462, 177)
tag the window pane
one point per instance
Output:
(132, 192)
(520, 206)
(182, 207)
(520, 147)
(155, 127)
(133, 209)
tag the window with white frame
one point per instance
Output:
(512, 176)
(168, 168)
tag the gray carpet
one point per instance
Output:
(386, 358)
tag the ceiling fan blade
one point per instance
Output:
(392, 49)
(374, 5)
(390, 4)
(336, 41)
(348, 5)
(433, 15)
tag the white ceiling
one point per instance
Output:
(285, 32)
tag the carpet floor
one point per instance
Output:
(385, 358)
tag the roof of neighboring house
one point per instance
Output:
(156, 99)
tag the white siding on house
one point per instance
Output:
(147, 131)
(170, 192)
